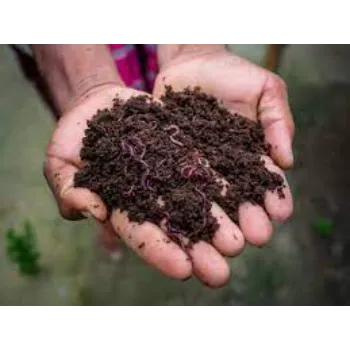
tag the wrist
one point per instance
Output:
(74, 72)
(169, 53)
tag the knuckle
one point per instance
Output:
(277, 83)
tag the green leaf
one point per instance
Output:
(324, 227)
(21, 249)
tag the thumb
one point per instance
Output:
(277, 121)
(73, 203)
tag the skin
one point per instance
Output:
(244, 88)
(259, 95)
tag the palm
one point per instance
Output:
(255, 93)
(231, 79)
(63, 158)
(244, 88)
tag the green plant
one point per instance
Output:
(323, 227)
(22, 250)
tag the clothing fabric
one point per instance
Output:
(137, 64)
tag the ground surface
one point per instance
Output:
(296, 268)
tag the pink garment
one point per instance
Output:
(137, 64)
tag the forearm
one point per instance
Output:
(73, 71)
(167, 53)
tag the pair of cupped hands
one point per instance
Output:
(244, 88)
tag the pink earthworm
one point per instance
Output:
(142, 145)
(204, 224)
(144, 179)
(187, 171)
(128, 193)
(177, 130)
(203, 161)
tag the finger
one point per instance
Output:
(109, 238)
(74, 203)
(209, 265)
(228, 239)
(151, 244)
(279, 209)
(276, 119)
(254, 223)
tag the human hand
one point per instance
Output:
(63, 161)
(259, 95)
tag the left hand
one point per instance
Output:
(256, 94)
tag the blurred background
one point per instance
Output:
(307, 262)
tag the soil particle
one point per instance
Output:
(167, 162)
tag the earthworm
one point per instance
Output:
(148, 184)
(173, 233)
(195, 155)
(122, 143)
(201, 194)
(126, 170)
(205, 171)
(142, 145)
(182, 160)
(213, 172)
(158, 166)
(144, 179)
(128, 193)
(129, 119)
(143, 153)
(176, 234)
(204, 224)
(131, 150)
(160, 163)
(154, 125)
(171, 137)
(173, 230)
(126, 146)
(204, 197)
(203, 161)
(187, 171)
(144, 164)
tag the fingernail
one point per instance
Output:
(86, 214)
(289, 156)
(285, 155)
(186, 278)
(289, 151)
(116, 255)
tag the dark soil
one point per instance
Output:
(164, 163)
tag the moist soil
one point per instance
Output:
(167, 162)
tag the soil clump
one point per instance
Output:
(167, 162)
